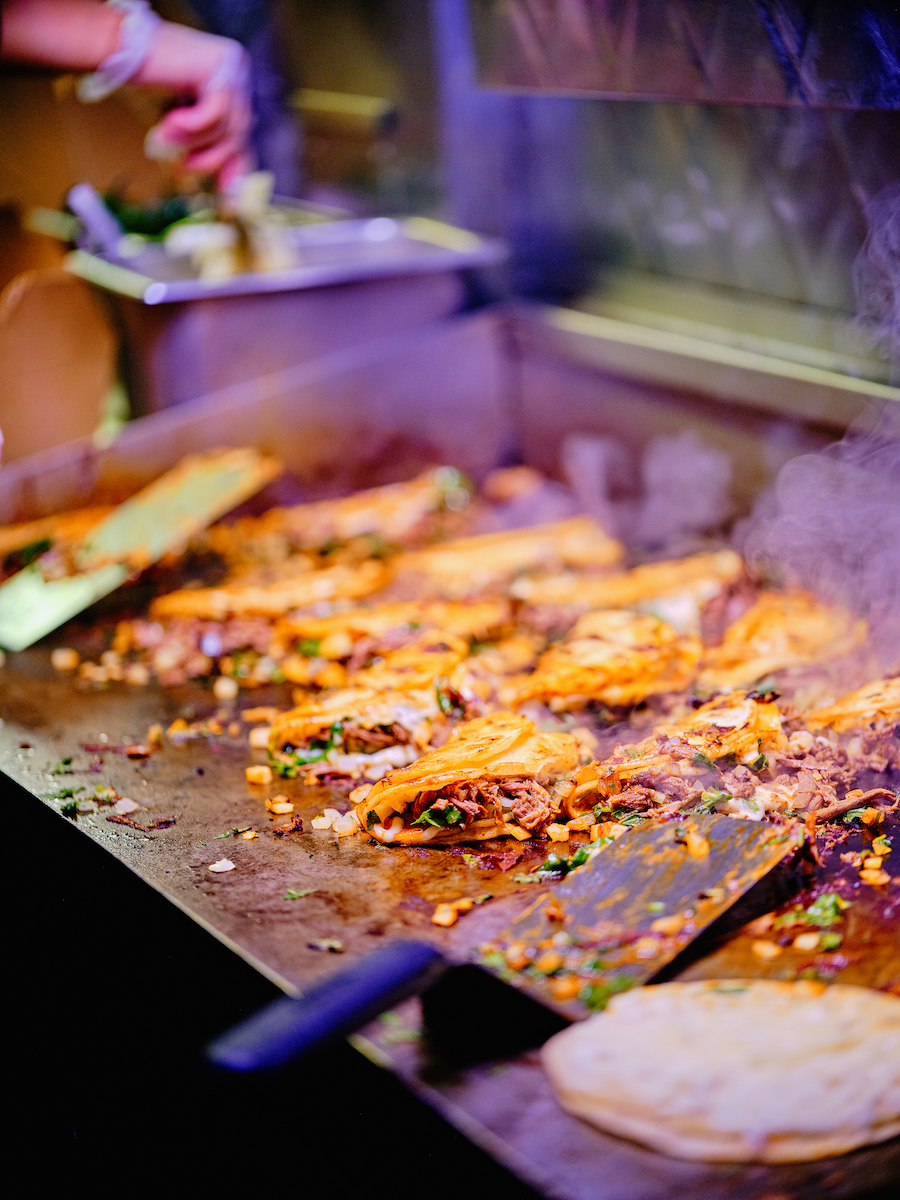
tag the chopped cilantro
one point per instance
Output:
(485, 896)
(726, 762)
(710, 798)
(234, 831)
(70, 809)
(63, 767)
(825, 910)
(63, 794)
(623, 816)
(633, 754)
(293, 894)
(535, 878)
(759, 763)
(855, 814)
(830, 941)
(881, 845)
(442, 817)
(703, 760)
(445, 704)
(494, 960)
(309, 647)
(597, 995)
(371, 818)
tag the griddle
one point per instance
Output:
(364, 895)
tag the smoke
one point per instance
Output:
(836, 529)
(876, 274)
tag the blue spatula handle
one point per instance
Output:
(288, 1029)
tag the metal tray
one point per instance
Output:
(330, 252)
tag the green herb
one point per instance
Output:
(482, 898)
(63, 794)
(70, 809)
(656, 906)
(596, 996)
(278, 676)
(293, 894)
(444, 702)
(378, 547)
(730, 990)
(232, 832)
(710, 798)
(702, 760)
(309, 647)
(442, 817)
(855, 814)
(881, 845)
(471, 860)
(623, 816)
(371, 818)
(726, 762)
(825, 910)
(535, 878)
(831, 941)
(759, 763)
(63, 767)
(494, 960)
(26, 555)
(633, 754)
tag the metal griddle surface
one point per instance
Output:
(363, 892)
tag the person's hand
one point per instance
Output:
(209, 137)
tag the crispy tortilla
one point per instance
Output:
(390, 513)
(474, 621)
(782, 629)
(398, 724)
(502, 748)
(679, 758)
(614, 656)
(66, 528)
(274, 599)
(877, 704)
(470, 565)
(701, 575)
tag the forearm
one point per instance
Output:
(74, 35)
(77, 35)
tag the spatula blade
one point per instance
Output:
(617, 920)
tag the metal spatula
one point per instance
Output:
(160, 518)
(686, 873)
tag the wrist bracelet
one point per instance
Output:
(136, 33)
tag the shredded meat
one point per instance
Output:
(739, 782)
(363, 741)
(532, 805)
(636, 799)
(469, 798)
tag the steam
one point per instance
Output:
(876, 274)
(836, 529)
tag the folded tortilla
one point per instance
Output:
(494, 776)
(473, 564)
(475, 621)
(613, 656)
(701, 576)
(356, 731)
(274, 599)
(390, 513)
(678, 758)
(782, 629)
(877, 704)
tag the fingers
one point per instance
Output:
(211, 134)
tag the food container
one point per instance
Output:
(355, 281)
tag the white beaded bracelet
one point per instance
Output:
(139, 25)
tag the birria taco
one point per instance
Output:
(496, 775)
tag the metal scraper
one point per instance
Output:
(686, 872)
(616, 921)
(160, 518)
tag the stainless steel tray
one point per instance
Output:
(330, 252)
